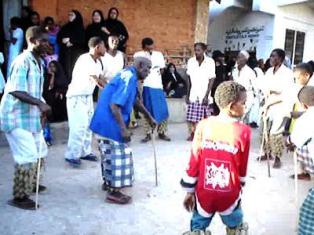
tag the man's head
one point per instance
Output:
(302, 73)
(15, 22)
(96, 46)
(199, 49)
(35, 18)
(306, 96)
(218, 56)
(25, 12)
(113, 13)
(277, 57)
(37, 40)
(230, 98)
(148, 45)
(113, 41)
(242, 58)
(143, 66)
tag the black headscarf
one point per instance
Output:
(73, 30)
(115, 26)
(94, 29)
(168, 77)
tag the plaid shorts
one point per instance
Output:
(196, 111)
(116, 163)
(305, 159)
(306, 218)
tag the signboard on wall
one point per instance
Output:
(243, 38)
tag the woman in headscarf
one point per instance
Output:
(115, 26)
(71, 39)
(173, 83)
(97, 27)
(55, 88)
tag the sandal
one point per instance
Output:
(25, 203)
(118, 198)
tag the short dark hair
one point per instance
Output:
(306, 95)
(281, 53)
(201, 44)
(147, 42)
(34, 32)
(228, 92)
(47, 19)
(94, 41)
(16, 21)
(305, 68)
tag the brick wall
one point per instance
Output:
(170, 23)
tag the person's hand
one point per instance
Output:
(152, 122)
(69, 44)
(205, 101)
(187, 100)
(44, 108)
(104, 29)
(289, 145)
(65, 40)
(43, 120)
(126, 135)
(189, 202)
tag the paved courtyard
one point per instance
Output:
(74, 202)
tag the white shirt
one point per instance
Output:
(304, 130)
(153, 80)
(200, 76)
(282, 81)
(246, 77)
(82, 83)
(112, 64)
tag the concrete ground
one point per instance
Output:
(74, 202)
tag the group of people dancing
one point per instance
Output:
(223, 104)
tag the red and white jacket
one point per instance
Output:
(218, 164)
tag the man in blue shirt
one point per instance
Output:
(110, 123)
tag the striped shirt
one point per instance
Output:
(26, 75)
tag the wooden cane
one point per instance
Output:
(38, 176)
(265, 138)
(296, 188)
(155, 158)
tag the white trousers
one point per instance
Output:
(254, 114)
(26, 147)
(80, 111)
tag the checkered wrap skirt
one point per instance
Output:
(196, 111)
(306, 218)
(116, 163)
(305, 159)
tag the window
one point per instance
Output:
(294, 45)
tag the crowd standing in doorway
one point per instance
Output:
(72, 67)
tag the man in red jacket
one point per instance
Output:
(218, 164)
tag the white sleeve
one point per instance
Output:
(303, 130)
(188, 68)
(161, 61)
(1, 58)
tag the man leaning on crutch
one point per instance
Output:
(21, 112)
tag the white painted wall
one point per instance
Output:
(298, 17)
(235, 18)
(295, 16)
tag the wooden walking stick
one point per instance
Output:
(155, 158)
(38, 176)
(265, 141)
(295, 161)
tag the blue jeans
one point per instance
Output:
(233, 220)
